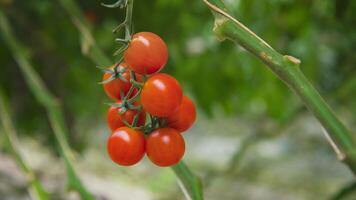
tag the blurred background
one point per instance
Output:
(253, 138)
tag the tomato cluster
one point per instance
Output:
(151, 112)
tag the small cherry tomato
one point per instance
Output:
(184, 117)
(113, 87)
(147, 53)
(126, 146)
(165, 147)
(161, 95)
(91, 16)
(115, 119)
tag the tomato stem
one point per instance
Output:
(128, 19)
(119, 3)
(287, 68)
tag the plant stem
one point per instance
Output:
(191, 182)
(51, 104)
(128, 18)
(345, 191)
(287, 69)
(89, 46)
(36, 189)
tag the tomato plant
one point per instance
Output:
(126, 146)
(161, 95)
(165, 147)
(162, 112)
(147, 53)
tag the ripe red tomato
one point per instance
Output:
(113, 88)
(184, 117)
(91, 16)
(147, 53)
(165, 147)
(126, 146)
(115, 119)
(161, 95)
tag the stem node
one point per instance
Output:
(292, 59)
(287, 69)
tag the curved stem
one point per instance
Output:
(36, 189)
(51, 104)
(189, 183)
(287, 69)
(128, 19)
(89, 46)
(345, 191)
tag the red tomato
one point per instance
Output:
(161, 95)
(147, 53)
(184, 117)
(91, 16)
(113, 88)
(115, 119)
(126, 146)
(165, 147)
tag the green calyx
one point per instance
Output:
(116, 72)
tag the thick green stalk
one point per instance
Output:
(52, 105)
(190, 182)
(129, 14)
(287, 69)
(36, 189)
(346, 191)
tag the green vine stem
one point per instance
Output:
(345, 192)
(50, 103)
(190, 182)
(36, 189)
(287, 69)
(88, 44)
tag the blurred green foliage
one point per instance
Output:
(221, 77)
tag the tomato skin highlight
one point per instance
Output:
(147, 53)
(165, 147)
(113, 88)
(115, 119)
(184, 117)
(126, 146)
(161, 95)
